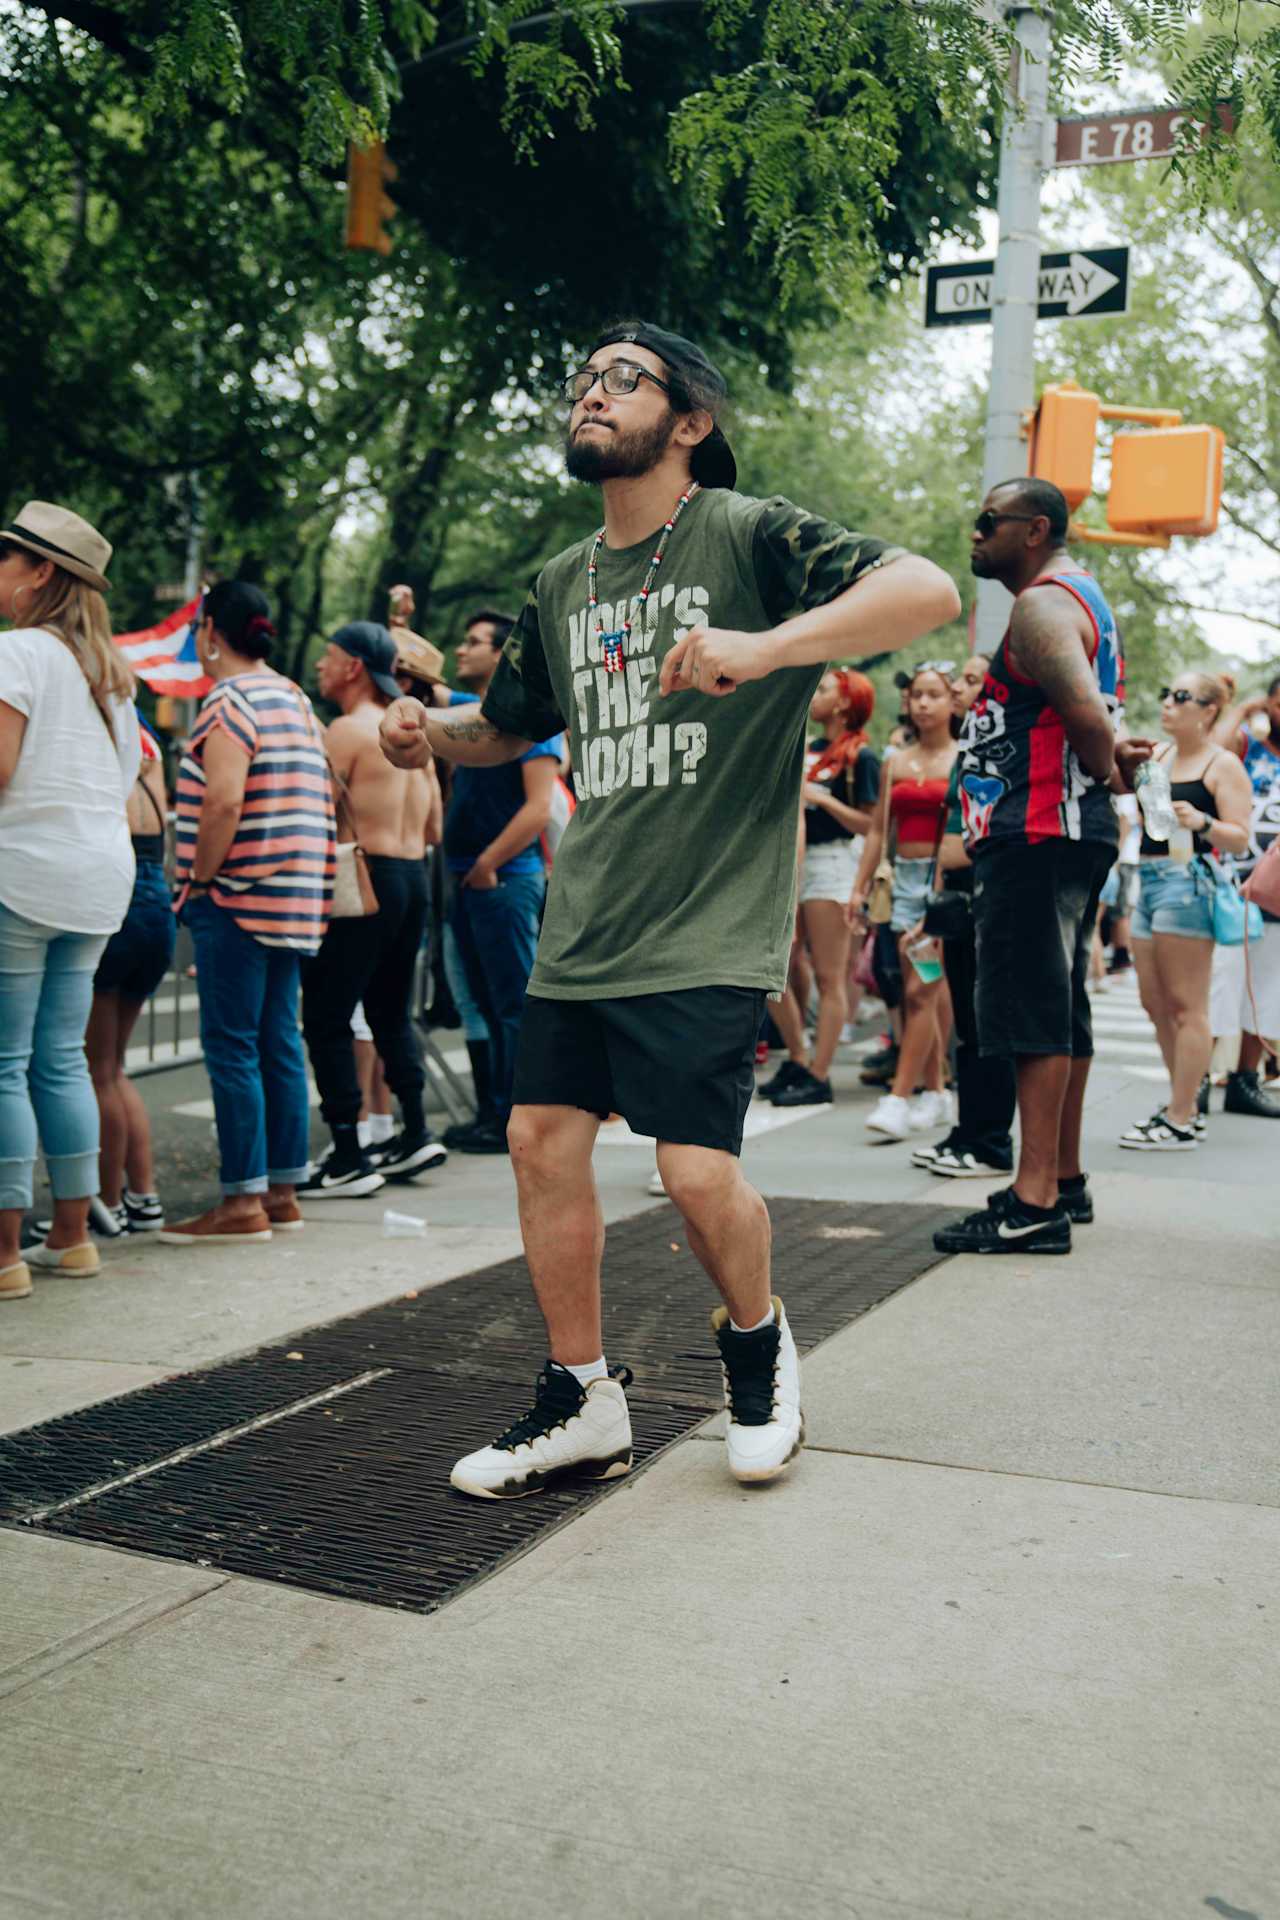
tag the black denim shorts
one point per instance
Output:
(679, 1066)
(1034, 909)
(138, 955)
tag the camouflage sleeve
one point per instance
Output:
(521, 699)
(802, 561)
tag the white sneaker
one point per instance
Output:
(655, 1186)
(891, 1116)
(928, 1110)
(761, 1396)
(569, 1429)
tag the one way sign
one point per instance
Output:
(1074, 285)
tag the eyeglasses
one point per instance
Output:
(988, 520)
(1182, 697)
(624, 376)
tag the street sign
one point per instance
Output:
(1135, 133)
(1084, 282)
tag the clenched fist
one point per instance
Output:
(403, 734)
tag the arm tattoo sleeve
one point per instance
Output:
(1047, 647)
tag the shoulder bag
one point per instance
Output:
(948, 915)
(880, 893)
(353, 894)
(1236, 920)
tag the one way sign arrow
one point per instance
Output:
(1076, 285)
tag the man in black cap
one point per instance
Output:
(668, 918)
(392, 815)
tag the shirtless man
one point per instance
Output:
(394, 816)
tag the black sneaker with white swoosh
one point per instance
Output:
(1006, 1225)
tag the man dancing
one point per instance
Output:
(669, 914)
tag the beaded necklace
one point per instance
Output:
(613, 645)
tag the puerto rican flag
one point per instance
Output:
(164, 656)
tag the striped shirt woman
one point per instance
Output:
(255, 866)
(277, 876)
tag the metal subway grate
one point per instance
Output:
(329, 1471)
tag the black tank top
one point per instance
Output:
(1196, 794)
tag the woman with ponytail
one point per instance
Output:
(69, 756)
(842, 775)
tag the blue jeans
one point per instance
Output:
(474, 1025)
(252, 1051)
(46, 1095)
(497, 933)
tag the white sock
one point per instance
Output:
(364, 1132)
(382, 1127)
(593, 1370)
(768, 1321)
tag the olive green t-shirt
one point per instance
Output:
(678, 868)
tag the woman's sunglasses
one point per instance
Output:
(1182, 697)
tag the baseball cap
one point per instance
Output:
(372, 645)
(712, 463)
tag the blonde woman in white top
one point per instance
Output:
(69, 755)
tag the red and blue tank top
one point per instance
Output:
(1020, 782)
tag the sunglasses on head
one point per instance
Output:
(624, 376)
(988, 520)
(1182, 697)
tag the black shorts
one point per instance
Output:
(679, 1066)
(1034, 909)
(137, 956)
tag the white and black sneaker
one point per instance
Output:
(1008, 1225)
(961, 1163)
(341, 1177)
(406, 1155)
(570, 1429)
(1159, 1135)
(761, 1370)
(108, 1223)
(143, 1211)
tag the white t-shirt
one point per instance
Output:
(65, 856)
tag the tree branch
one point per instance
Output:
(100, 24)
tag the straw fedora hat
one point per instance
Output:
(417, 656)
(57, 534)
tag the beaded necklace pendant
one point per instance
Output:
(613, 646)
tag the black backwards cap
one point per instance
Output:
(712, 464)
(373, 646)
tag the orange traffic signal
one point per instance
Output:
(1063, 440)
(368, 205)
(1167, 481)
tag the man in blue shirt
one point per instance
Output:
(492, 846)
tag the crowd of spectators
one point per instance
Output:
(300, 867)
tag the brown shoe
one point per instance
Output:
(285, 1215)
(15, 1281)
(214, 1229)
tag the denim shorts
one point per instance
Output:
(912, 880)
(139, 954)
(1173, 897)
(830, 870)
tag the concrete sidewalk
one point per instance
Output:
(1003, 1646)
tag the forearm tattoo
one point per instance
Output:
(470, 730)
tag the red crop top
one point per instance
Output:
(917, 806)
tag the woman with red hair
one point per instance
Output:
(842, 776)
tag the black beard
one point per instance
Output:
(623, 456)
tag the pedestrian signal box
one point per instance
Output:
(368, 205)
(1167, 481)
(1063, 439)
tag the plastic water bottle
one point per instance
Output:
(403, 1226)
(1151, 784)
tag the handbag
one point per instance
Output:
(1235, 919)
(880, 892)
(1262, 887)
(353, 894)
(947, 915)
